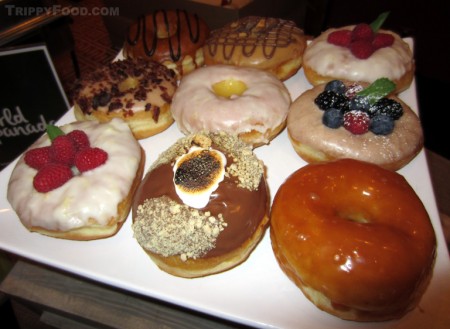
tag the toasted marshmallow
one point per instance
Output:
(197, 174)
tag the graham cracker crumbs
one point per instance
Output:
(245, 165)
(168, 228)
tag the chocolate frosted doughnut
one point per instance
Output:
(188, 239)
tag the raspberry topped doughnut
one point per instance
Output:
(355, 238)
(358, 53)
(171, 37)
(242, 101)
(353, 120)
(137, 91)
(271, 44)
(79, 185)
(203, 206)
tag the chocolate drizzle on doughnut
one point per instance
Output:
(252, 32)
(141, 32)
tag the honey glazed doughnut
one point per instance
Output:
(355, 238)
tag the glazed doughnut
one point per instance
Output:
(355, 238)
(171, 37)
(324, 61)
(271, 44)
(137, 91)
(203, 206)
(90, 205)
(316, 142)
(242, 101)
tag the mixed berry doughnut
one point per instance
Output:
(174, 38)
(355, 238)
(271, 44)
(353, 120)
(247, 102)
(203, 206)
(137, 91)
(80, 184)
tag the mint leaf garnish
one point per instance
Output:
(377, 90)
(378, 22)
(54, 131)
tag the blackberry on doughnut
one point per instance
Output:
(137, 91)
(243, 101)
(271, 44)
(355, 238)
(203, 206)
(343, 119)
(171, 37)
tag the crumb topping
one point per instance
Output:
(245, 166)
(168, 228)
(123, 84)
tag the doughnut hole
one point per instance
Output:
(229, 88)
(128, 84)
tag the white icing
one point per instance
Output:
(199, 199)
(338, 62)
(94, 194)
(263, 106)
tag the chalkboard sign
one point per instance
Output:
(31, 96)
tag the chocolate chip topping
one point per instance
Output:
(101, 89)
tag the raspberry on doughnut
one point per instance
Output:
(271, 44)
(78, 185)
(137, 91)
(355, 238)
(341, 119)
(359, 52)
(203, 206)
(173, 38)
(247, 102)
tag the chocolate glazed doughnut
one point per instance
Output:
(194, 240)
(173, 38)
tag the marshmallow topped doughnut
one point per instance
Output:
(203, 206)
(91, 204)
(316, 142)
(173, 38)
(324, 61)
(355, 238)
(247, 102)
(137, 91)
(271, 44)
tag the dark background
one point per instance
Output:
(428, 22)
